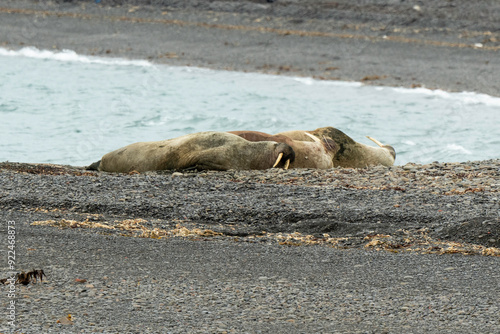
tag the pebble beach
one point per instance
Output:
(410, 248)
(340, 250)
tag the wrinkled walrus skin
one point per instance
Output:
(317, 154)
(203, 151)
(350, 154)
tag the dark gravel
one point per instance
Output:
(247, 252)
(456, 202)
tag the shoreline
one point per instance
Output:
(140, 62)
(281, 38)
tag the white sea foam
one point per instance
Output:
(305, 81)
(469, 98)
(71, 56)
(458, 148)
(311, 81)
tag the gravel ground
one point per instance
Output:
(382, 249)
(180, 286)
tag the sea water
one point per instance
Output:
(65, 108)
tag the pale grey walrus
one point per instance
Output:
(349, 152)
(317, 154)
(203, 150)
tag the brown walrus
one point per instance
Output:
(203, 150)
(317, 154)
(349, 153)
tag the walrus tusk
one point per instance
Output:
(287, 163)
(278, 160)
(316, 139)
(375, 141)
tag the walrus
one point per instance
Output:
(203, 151)
(317, 154)
(349, 153)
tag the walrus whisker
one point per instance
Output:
(375, 141)
(287, 163)
(327, 142)
(278, 160)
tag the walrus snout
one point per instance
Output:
(94, 166)
(285, 155)
(391, 150)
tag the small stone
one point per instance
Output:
(65, 320)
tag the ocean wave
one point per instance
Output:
(71, 56)
(469, 98)
(308, 81)
(458, 148)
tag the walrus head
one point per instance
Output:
(389, 148)
(353, 154)
(346, 152)
(285, 155)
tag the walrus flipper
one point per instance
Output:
(94, 166)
